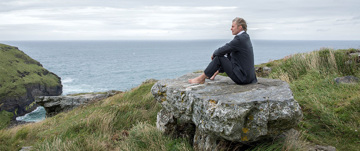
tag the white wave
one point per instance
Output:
(35, 116)
(82, 88)
(67, 80)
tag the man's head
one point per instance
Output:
(238, 24)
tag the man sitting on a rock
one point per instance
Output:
(235, 58)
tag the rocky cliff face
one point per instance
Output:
(221, 111)
(22, 79)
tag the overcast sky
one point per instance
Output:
(173, 20)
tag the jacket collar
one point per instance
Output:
(240, 33)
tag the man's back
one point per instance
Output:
(243, 59)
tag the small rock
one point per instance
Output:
(267, 69)
(26, 148)
(262, 71)
(355, 54)
(322, 148)
(347, 80)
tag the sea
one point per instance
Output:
(97, 66)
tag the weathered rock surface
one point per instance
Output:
(56, 104)
(347, 80)
(220, 110)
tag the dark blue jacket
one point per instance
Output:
(241, 55)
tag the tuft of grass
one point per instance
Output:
(291, 141)
(144, 136)
(5, 118)
(325, 61)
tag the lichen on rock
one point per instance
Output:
(223, 110)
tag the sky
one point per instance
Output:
(178, 20)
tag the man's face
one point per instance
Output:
(235, 28)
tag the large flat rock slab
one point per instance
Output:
(221, 109)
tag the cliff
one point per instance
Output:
(21, 79)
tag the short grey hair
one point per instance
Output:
(240, 21)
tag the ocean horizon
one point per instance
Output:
(103, 65)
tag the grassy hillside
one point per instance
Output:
(331, 111)
(18, 70)
(123, 122)
(127, 121)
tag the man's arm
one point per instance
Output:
(227, 48)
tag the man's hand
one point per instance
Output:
(212, 57)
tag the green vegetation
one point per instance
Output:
(5, 118)
(18, 70)
(126, 121)
(17, 73)
(331, 111)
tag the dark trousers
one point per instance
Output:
(223, 64)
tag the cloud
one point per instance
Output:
(91, 19)
(356, 18)
(321, 30)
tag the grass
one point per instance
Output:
(331, 111)
(126, 121)
(5, 118)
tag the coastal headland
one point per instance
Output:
(21, 80)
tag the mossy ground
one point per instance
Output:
(126, 121)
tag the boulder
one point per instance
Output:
(56, 104)
(221, 110)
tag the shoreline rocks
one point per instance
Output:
(56, 104)
(221, 111)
